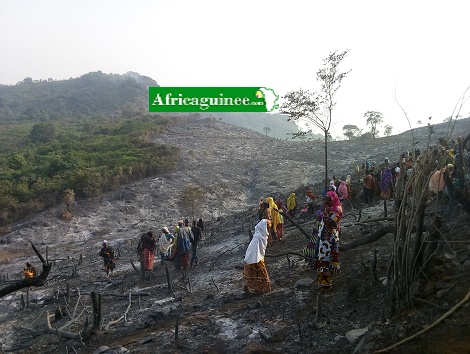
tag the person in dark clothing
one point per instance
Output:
(107, 253)
(368, 187)
(197, 236)
(180, 255)
(149, 247)
(200, 223)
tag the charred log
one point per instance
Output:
(40, 280)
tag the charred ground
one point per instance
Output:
(235, 167)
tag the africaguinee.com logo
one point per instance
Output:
(212, 99)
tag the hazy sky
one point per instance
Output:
(418, 48)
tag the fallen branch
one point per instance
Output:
(371, 238)
(76, 305)
(62, 334)
(364, 222)
(128, 307)
(220, 255)
(434, 324)
(430, 303)
(285, 254)
(135, 268)
(305, 233)
(40, 280)
(213, 282)
(124, 295)
(110, 323)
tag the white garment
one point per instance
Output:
(164, 244)
(257, 247)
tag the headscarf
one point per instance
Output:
(164, 243)
(310, 195)
(257, 247)
(335, 203)
(348, 180)
(291, 203)
(276, 219)
(332, 186)
(386, 180)
(436, 182)
(343, 190)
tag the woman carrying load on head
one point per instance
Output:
(327, 250)
(255, 272)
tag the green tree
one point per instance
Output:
(190, 195)
(350, 131)
(16, 161)
(388, 130)
(373, 119)
(315, 109)
(43, 132)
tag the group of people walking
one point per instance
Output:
(322, 251)
(175, 247)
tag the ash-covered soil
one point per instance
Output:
(235, 167)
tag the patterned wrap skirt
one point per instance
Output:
(182, 262)
(148, 259)
(256, 277)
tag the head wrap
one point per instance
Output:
(335, 203)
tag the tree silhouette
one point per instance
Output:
(374, 119)
(350, 131)
(315, 109)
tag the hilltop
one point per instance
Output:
(91, 94)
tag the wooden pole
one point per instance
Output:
(96, 302)
(177, 327)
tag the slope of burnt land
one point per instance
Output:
(210, 313)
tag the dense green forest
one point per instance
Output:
(56, 138)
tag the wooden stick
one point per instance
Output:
(285, 254)
(434, 324)
(128, 307)
(76, 305)
(231, 249)
(213, 282)
(168, 279)
(110, 323)
(62, 334)
(177, 327)
(135, 268)
(430, 303)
